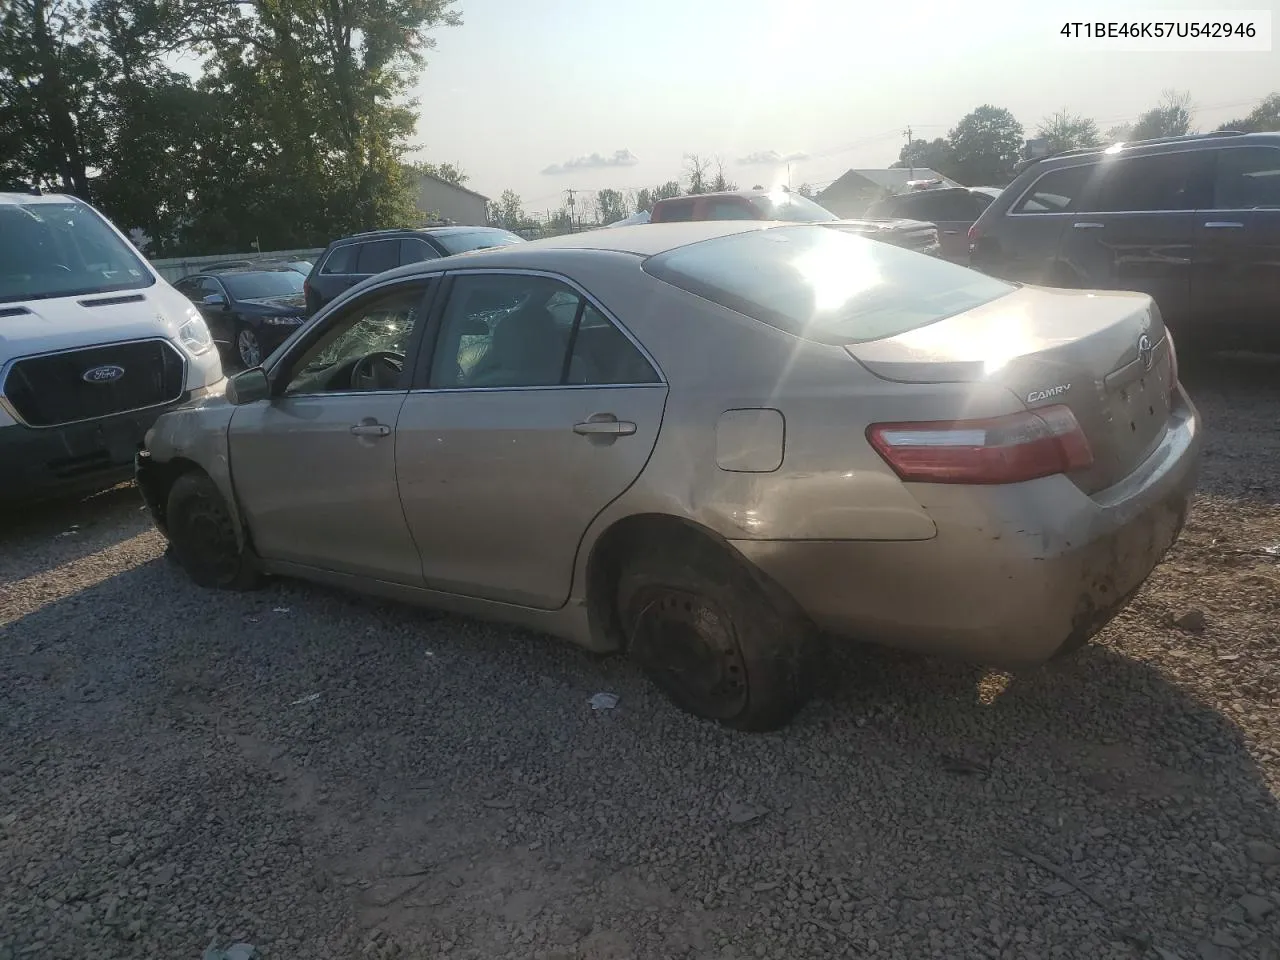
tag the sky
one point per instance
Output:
(587, 94)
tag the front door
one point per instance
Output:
(535, 412)
(1238, 253)
(314, 467)
(1136, 228)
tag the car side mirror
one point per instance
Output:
(214, 300)
(248, 386)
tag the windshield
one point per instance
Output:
(794, 209)
(63, 249)
(825, 285)
(462, 242)
(256, 286)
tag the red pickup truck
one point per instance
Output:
(791, 207)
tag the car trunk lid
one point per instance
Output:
(1104, 355)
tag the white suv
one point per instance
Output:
(94, 346)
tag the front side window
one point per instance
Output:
(508, 330)
(1247, 178)
(1058, 191)
(825, 285)
(364, 348)
(63, 249)
(1170, 181)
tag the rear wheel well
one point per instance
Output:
(653, 533)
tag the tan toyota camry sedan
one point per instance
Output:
(706, 444)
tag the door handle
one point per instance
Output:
(1088, 226)
(604, 425)
(1224, 225)
(370, 430)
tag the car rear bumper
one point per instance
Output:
(1014, 576)
(57, 461)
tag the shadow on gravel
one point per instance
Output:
(931, 807)
(35, 538)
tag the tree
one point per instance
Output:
(1171, 117)
(1119, 133)
(720, 183)
(447, 172)
(612, 205)
(1068, 131)
(936, 154)
(1265, 116)
(806, 191)
(986, 144)
(695, 168)
(508, 211)
(647, 197)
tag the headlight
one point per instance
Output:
(284, 321)
(194, 335)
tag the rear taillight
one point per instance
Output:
(1012, 449)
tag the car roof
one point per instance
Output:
(393, 233)
(723, 193)
(1146, 147)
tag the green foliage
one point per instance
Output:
(611, 205)
(293, 134)
(1170, 118)
(447, 172)
(1263, 118)
(935, 154)
(986, 144)
(647, 197)
(1068, 131)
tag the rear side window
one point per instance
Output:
(729, 210)
(1170, 181)
(944, 206)
(378, 256)
(342, 260)
(1058, 191)
(825, 285)
(1247, 178)
(479, 240)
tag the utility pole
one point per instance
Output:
(571, 192)
(911, 163)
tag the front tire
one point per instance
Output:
(248, 347)
(202, 536)
(714, 639)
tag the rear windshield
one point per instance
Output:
(823, 284)
(63, 249)
(254, 286)
(462, 242)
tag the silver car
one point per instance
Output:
(707, 445)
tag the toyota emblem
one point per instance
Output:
(107, 373)
(1146, 352)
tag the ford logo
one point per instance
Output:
(1146, 352)
(107, 373)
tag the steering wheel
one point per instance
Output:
(380, 370)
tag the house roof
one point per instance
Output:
(427, 176)
(891, 178)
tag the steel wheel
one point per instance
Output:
(248, 347)
(203, 538)
(688, 645)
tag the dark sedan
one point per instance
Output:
(250, 312)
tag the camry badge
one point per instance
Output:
(1048, 393)
(107, 373)
(1146, 352)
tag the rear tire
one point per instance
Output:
(202, 536)
(714, 640)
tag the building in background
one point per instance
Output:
(440, 199)
(856, 190)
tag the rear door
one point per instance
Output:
(1022, 245)
(535, 412)
(336, 274)
(1136, 228)
(952, 211)
(218, 316)
(1237, 283)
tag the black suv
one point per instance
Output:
(346, 262)
(952, 209)
(1193, 221)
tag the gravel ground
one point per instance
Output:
(323, 776)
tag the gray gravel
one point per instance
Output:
(323, 776)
